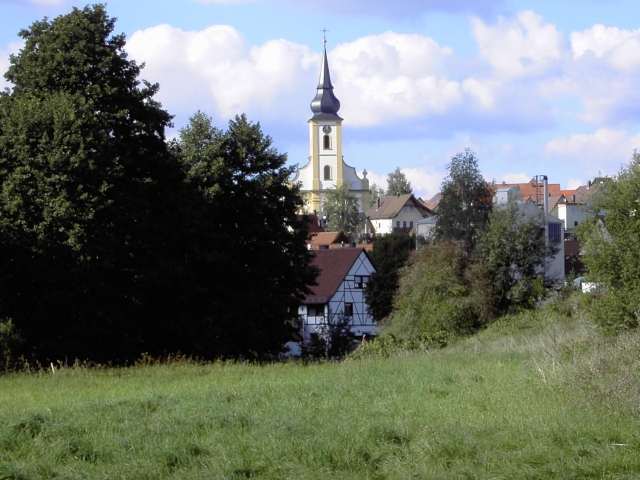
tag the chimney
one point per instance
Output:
(545, 184)
(378, 203)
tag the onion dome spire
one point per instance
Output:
(325, 105)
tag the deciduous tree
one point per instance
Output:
(397, 183)
(465, 204)
(341, 210)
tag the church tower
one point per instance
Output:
(326, 169)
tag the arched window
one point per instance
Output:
(327, 172)
(327, 142)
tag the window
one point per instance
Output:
(315, 310)
(554, 232)
(575, 224)
(326, 142)
(359, 281)
(404, 224)
(411, 224)
(348, 309)
(398, 224)
(327, 172)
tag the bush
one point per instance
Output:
(388, 345)
(612, 250)
(10, 344)
(333, 340)
(434, 298)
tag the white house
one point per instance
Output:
(554, 231)
(339, 293)
(397, 214)
(571, 213)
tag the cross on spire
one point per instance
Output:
(324, 37)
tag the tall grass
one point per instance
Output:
(509, 403)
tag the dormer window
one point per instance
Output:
(327, 172)
(326, 142)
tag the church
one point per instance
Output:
(326, 169)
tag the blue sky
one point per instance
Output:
(534, 87)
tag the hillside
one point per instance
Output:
(531, 397)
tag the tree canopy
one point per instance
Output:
(465, 203)
(341, 210)
(248, 248)
(511, 252)
(611, 246)
(114, 244)
(397, 183)
(86, 213)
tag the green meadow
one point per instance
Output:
(536, 396)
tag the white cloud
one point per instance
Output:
(620, 48)
(574, 183)
(425, 183)
(603, 150)
(215, 68)
(389, 76)
(520, 46)
(379, 78)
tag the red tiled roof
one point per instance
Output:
(333, 266)
(326, 239)
(529, 191)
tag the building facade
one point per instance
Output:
(397, 214)
(326, 169)
(337, 296)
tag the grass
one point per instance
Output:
(514, 402)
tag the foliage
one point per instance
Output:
(397, 183)
(332, 340)
(244, 234)
(511, 252)
(390, 254)
(612, 249)
(88, 226)
(341, 210)
(433, 298)
(113, 244)
(10, 345)
(465, 203)
(375, 194)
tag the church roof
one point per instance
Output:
(325, 105)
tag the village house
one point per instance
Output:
(397, 214)
(339, 294)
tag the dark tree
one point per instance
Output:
(512, 253)
(247, 246)
(88, 227)
(390, 253)
(465, 204)
(397, 183)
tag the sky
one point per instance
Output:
(533, 87)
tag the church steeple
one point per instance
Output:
(325, 105)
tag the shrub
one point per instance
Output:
(433, 296)
(10, 344)
(612, 250)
